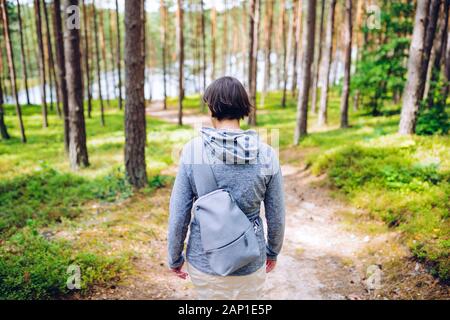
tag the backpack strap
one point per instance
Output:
(204, 179)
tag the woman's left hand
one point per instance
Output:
(270, 265)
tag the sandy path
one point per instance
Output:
(314, 261)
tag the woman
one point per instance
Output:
(250, 171)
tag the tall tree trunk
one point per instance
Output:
(225, 38)
(37, 10)
(347, 63)
(119, 76)
(61, 68)
(112, 50)
(284, 48)
(298, 21)
(97, 56)
(180, 55)
(253, 54)
(12, 69)
(244, 43)
(86, 59)
(318, 60)
(78, 154)
(3, 129)
(268, 47)
(446, 71)
(163, 16)
(135, 125)
(104, 57)
(326, 66)
(308, 37)
(438, 52)
(213, 40)
(51, 61)
(433, 14)
(22, 52)
(412, 95)
(203, 35)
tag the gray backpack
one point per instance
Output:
(228, 237)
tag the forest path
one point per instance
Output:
(319, 254)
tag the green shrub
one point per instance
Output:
(48, 195)
(390, 185)
(32, 267)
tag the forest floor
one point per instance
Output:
(330, 252)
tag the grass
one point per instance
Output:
(39, 192)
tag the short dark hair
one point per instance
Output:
(227, 99)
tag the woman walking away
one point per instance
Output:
(223, 177)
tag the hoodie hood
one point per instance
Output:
(231, 146)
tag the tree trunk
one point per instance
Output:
(12, 69)
(284, 48)
(318, 60)
(3, 130)
(347, 63)
(326, 66)
(37, 9)
(78, 153)
(268, 47)
(446, 71)
(431, 24)
(298, 22)
(61, 68)
(103, 53)
(253, 53)
(163, 15)
(51, 60)
(213, 40)
(203, 34)
(308, 37)
(97, 56)
(22, 52)
(135, 125)
(225, 38)
(119, 76)
(412, 94)
(438, 52)
(180, 55)
(86, 59)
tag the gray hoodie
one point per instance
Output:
(250, 170)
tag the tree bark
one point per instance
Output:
(22, 52)
(213, 40)
(318, 60)
(284, 48)
(446, 71)
(86, 59)
(180, 55)
(347, 63)
(135, 125)
(253, 53)
(268, 47)
(308, 37)
(412, 94)
(326, 66)
(3, 129)
(437, 53)
(51, 61)
(163, 16)
(225, 38)
(298, 23)
(97, 56)
(61, 68)
(78, 154)
(203, 34)
(12, 69)
(104, 57)
(37, 9)
(119, 76)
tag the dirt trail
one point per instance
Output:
(314, 263)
